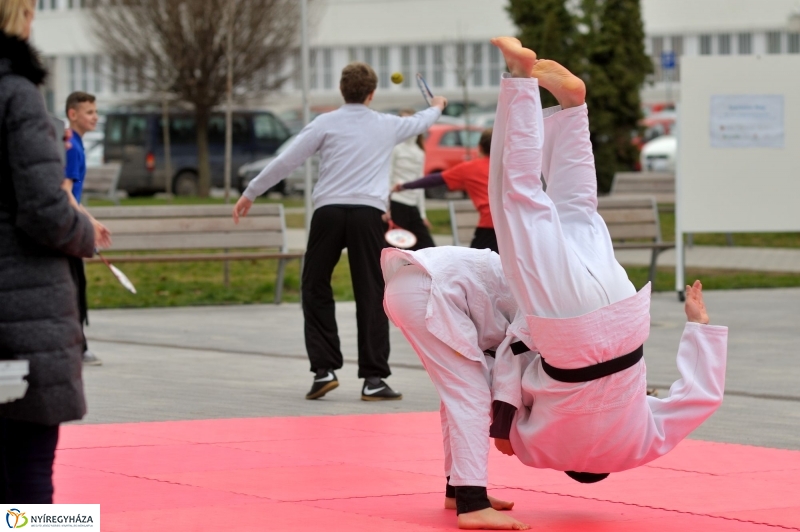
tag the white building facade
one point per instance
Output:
(445, 40)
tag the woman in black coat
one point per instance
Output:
(39, 229)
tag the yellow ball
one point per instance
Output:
(397, 78)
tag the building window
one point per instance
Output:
(422, 61)
(495, 66)
(73, 74)
(352, 54)
(53, 4)
(312, 68)
(745, 43)
(98, 74)
(405, 65)
(794, 43)
(774, 42)
(297, 72)
(327, 68)
(41, 4)
(438, 65)
(724, 44)
(657, 49)
(705, 45)
(677, 49)
(368, 55)
(477, 64)
(383, 66)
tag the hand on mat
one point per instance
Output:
(695, 307)
(504, 446)
(241, 208)
(439, 101)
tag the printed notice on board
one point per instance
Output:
(747, 121)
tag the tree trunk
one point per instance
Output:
(203, 160)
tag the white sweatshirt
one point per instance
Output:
(355, 145)
(408, 164)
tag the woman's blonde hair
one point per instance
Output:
(12, 16)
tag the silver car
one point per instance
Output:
(295, 183)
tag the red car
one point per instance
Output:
(447, 145)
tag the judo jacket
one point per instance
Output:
(39, 318)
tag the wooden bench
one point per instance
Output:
(198, 227)
(101, 182)
(657, 184)
(463, 220)
(633, 223)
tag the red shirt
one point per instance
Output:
(473, 178)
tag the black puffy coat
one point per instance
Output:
(38, 230)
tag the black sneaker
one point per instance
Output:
(90, 359)
(324, 381)
(378, 390)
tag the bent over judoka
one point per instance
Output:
(568, 383)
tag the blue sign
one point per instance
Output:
(667, 60)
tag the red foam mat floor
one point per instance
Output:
(384, 472)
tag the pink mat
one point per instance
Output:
(384, 472)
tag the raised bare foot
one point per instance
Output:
(520, 60)
(569, 89)
(497, 504)
(489, 519)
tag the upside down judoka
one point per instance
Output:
(566, 386)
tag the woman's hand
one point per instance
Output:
(102, 236)
(427, 223)
(397, 187)
(695, 307)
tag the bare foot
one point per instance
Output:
(569, 89)
(520, 60)
(489, 519)
(497, 504)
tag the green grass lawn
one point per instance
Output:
(201, 283)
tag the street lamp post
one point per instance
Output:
(306, 112)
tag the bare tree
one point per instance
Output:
(179, 46)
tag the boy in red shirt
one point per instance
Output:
(473, 178)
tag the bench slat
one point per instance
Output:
(618, 216)
(181, 211)
(120, 227)
(631, 231)
(210, 240)
(192, 257)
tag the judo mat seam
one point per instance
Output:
(649, 507)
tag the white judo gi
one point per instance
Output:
(579, 305)
(570, 298)
(452, 304)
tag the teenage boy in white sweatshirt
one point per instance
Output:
(355, 145)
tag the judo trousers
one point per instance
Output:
(463, 384)
(555, 248)
(360, 230)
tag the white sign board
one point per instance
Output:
(747, 121)
(738, 166)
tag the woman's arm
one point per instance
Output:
(43, 208)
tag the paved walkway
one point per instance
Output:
(250, 361)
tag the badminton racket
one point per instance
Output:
(398, 237)
(121, 277)
(424, 89)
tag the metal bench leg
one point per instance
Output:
(653, 260)
(279, 281)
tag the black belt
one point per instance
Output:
(590, 373)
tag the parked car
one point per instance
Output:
(93, 146)
(658, 155)
(295, 183)
(447, 145)
(293, 118)
(136, 140)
